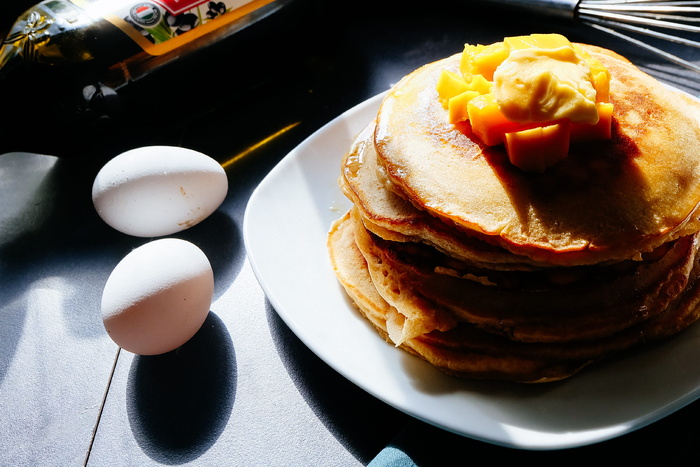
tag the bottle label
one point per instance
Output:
(160, 26)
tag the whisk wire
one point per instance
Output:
(664, 17)
(665, 3)
(656, 7)
(667, 21)
(647, 32)
(648, 18)
(639, 19)
(655, 50)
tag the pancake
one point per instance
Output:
(608, 200)
(394, 218)
(468, 351)
(486, 271)
(555, 306)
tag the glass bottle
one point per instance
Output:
(64, 62)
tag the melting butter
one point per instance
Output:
(545, 84)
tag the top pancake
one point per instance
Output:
(392, 217)
(608, 200)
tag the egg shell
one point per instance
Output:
(154, 191)
(158, 296)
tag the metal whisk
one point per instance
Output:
(673, 21)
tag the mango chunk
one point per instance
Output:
(482, 59)
(487, 121)
(457, 106)
(450, 84)
(480, 84)
(541, 41)
(466, 64)
(599, 131)
(601, 83)
(535, 149)
(486, 62)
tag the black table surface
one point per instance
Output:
(245, 390)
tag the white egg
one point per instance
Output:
(158, 190)
(158, 296)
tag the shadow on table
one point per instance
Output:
(359, 421)
(179, 403)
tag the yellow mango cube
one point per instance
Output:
(457, 106)
(480, 84)
(487, 121)
(535, 149)
(601, 83)
(599, 131)
(482, 59)
(485, 62)
(466, 63)
(541, 41)
(449, 85)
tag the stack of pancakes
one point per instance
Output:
(490, 272)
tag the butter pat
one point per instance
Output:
(539, 84)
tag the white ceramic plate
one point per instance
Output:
(285, 229)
